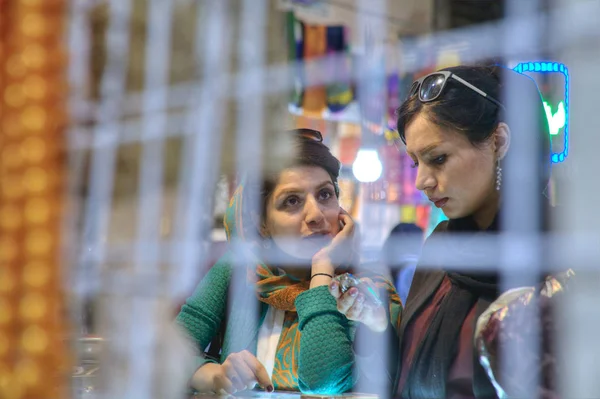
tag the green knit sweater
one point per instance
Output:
(326, 357)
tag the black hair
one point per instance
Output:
(462, 109)
(307, 152)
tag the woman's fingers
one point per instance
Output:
(355, 311)
(348, 224)
(223, 385)
(334, 289)
(233, 376)
(246, 374)
(346, 300)
(259, 371)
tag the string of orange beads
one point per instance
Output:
(33, 349)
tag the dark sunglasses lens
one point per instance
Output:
(310, 134)
(432, 87)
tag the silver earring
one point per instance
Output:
(498, 176)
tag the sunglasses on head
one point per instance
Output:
(430, 87)
(311, 134)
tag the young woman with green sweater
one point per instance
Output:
(302, 339)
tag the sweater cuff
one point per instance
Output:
(315, 302)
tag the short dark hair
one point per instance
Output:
(307, 152)
(463, 110)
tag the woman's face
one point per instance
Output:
(302, 212)
(456, 176)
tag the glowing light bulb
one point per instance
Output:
(367, 167)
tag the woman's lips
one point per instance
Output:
(439, 202)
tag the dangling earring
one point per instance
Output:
(266, 243)
(498, 176)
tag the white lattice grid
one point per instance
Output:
(193, 111)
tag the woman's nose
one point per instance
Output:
(425, 179)
(312, 209)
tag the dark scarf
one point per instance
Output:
(434, 357)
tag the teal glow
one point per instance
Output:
(559, 119)
(556, 120)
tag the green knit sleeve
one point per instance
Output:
(203, 312)
(326, 360)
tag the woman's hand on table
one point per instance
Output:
(239, 372)
(356, 305)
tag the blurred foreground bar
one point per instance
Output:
(34, 356)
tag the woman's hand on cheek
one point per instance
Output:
(341, 250)
(356, 306)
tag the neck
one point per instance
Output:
(292, 265)
(486, 214)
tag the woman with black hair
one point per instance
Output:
(457, 133)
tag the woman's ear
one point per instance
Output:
(264, 231)
(502, 140)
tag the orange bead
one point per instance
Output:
(4, 346)
(7, 280)
(34, 3)
(33, 306)
(35, 56)
(15, 68)
(12, 187)
(14, 96)
(10, 217)
(34, 340)
(8, 249)
(35, 87)
(11, 388)
(37, 211)
(28, 372)
(33, 25)
(34, 118)
(11, 156)
(6, 314)
(36, 274)
(33, 149)
(11, 125)
(38, 242)
(35, 180)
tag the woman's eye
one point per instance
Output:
(439, 160)
(414, 165)
(291, 201)
(324, 195)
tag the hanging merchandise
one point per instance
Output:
(393, 100)
(315, 47)
(320, 125)
(372, 88)
(348, 143)
(410, 194)
(349, 191)
(339, 94)
(296, 53)
(392, 166)
(349, 147)
(423, 216)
